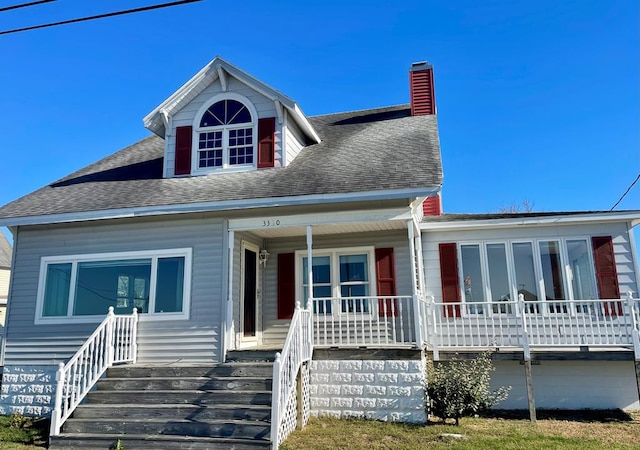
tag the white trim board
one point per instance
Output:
(626, 216)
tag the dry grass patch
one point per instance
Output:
(551, 432)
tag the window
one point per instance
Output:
(343, 274)
(226, 135)
(551, 270)
(83, 287)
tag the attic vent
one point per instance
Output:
(423, 100)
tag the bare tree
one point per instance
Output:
(524, 206)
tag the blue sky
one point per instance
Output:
(537, 101)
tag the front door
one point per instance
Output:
(249, 293)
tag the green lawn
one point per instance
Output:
(555, 431)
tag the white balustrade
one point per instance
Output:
(297, 350)
(364, 321)
(548, 323)
(114, 341)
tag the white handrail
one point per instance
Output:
(542, 323)
(297, 349)
(114, 341)
(380, 321)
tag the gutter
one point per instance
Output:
(228, 205)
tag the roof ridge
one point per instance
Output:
(362, 110)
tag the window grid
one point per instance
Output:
(226, 136)
(210, 149)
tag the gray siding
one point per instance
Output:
(618, 232)
(276, 330)
(196, 339)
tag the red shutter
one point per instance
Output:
(286, 285)
(606, 273)
(449, 277)
(183, 150)
(386, 282)
(266, 142)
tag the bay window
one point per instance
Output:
(83, 287)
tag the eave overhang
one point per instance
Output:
(631, 217)
(228, 205)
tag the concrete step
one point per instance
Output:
(188, 383)
(194, 397)
(218, 428)
(152, 442)
(186, 412)
(228, 369)
(252, 355)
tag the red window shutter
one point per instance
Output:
(183, 150)
(606, 273)
(449, 277)
(386, 282)
(266, 142)
(286, 285)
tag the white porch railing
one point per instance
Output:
(360, 321)
(114, 341)
(547, 323)
(290, 400)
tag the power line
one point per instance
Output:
(626, 192)
(101, 16)
(25, 5)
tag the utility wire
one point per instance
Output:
(626, 192)
(25, 5)
(101, 16)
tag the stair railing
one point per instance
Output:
(114, 341)
(290, 393)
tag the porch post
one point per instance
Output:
(307, 300)
(634, 317)
(528, 372)
(229, 338)
(414, 273)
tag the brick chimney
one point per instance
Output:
(423, 97)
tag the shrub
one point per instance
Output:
(460, 388)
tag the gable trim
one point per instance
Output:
(209, 74)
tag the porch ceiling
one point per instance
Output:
(341, 228)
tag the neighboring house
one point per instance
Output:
(5, 270)
(207, 228)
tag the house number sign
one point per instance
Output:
(268, 223)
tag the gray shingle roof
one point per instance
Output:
(5, 252)
(360, 151)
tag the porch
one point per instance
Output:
(511, 326)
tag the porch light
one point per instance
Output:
(263, 257)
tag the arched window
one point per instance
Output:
(226, 136)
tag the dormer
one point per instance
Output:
(223, 120)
